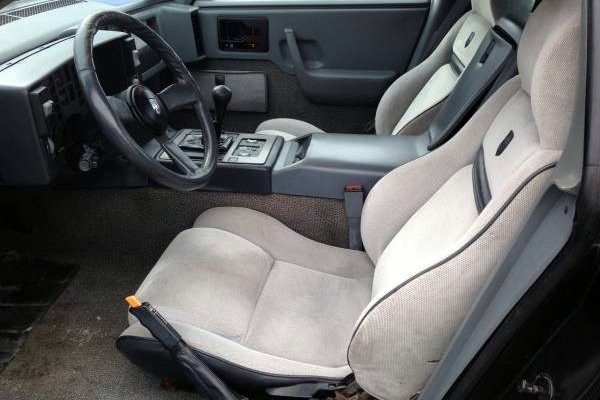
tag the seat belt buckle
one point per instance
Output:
(354, 198)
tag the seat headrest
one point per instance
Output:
(548, 60)
(493, 10)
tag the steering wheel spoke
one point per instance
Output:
(178, 96)
(118, 104)
(182, 161)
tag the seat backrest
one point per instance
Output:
(437, 227)
(411, 103)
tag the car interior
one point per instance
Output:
(290, 199)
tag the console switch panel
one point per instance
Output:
(250, 149)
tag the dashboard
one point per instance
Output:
(47, 129)
(46, 118)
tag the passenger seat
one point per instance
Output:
(413, 101)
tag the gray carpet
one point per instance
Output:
(71, 354)
(149, 218)
(116, 236)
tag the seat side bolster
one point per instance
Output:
(421, 122)
(400, 95)
(284, 244)
(392, 359)
(433, 94)
(388, 208)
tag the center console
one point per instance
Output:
(317, 165)
(245, 161)
(322, 164)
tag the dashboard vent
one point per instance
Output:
(197, 33)
(39, 8)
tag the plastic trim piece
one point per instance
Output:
(481, 186)
(341, 159)
(569, 171)
(544, 235)
(149, 354)
(494, 55)
(336, 86)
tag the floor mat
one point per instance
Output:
(27, 290)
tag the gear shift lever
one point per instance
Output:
(221, 96)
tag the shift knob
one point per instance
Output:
(221, 97)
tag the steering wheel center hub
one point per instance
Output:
(148, 108)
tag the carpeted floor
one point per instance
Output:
(71, 354)
(116, 237)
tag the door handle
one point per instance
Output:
(336, 86)
(295, 55)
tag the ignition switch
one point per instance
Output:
(88, 160)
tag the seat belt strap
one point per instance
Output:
(354, 198)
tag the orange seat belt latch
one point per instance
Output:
(133, 301)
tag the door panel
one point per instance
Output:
(342, 54)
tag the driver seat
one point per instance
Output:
(266, 307)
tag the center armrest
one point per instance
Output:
(320, 165)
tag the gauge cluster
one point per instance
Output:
(47, 128)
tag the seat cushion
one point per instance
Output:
(284, 244)
(286, 308)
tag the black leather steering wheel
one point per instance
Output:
(139, 105)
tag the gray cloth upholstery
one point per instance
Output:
(252, 291)
(242, 286)
(401, 94)
(432, 250)
(431, 96)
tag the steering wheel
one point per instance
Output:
(138, 105)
